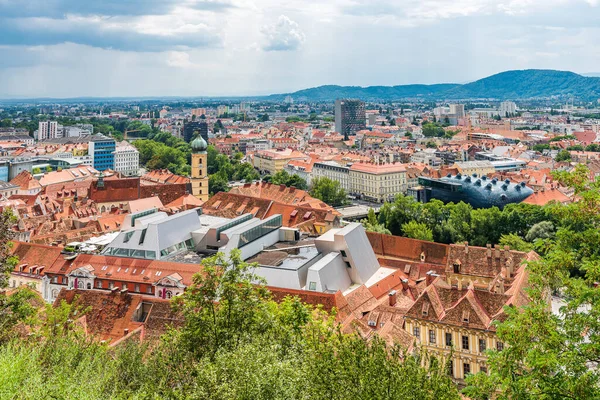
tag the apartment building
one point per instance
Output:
(378, 182)
(334, 171)
(127, 159)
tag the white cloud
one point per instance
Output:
(284, 35)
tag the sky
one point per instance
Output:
(110, 48)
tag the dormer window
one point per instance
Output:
(465, 317)
(425, 309)
(456, 266)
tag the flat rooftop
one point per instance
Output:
(286, 255)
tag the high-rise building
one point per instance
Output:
(457, 110)
(199, 174)
(47, 130)
(507, 108)
(102, 150)
(199, 111)
(190, 127)
(350, 116)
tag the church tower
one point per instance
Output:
(199, 177)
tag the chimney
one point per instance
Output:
(489, 250)
(466, 248)
(404, 284)
(497, 252)
(125, 331)
(430, 276)
(392, 296)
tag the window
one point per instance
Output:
(89, 285)
(466, 369)
(482, 345)
(451, 367)
(448, 339)
(425, 309)
(111, 285)
(99, 284)
(312, 286)
(348, 265)
(483, 369)
(136, 288)
(431, 336)
(465, 343)
(343, 252)
(465, 317)
(149, 290)
(499, 346)
(416, 331)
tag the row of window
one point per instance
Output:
(466, 369)
(449, 340)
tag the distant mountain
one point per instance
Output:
(518, 84)
(529, 83)
(332, 92)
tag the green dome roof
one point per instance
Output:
(199, 144)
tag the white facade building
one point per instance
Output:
(127, 159)
(48, 130)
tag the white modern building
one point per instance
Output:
(47, 130)
(127, 159)
(507, 108)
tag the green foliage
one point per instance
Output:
(371, 224)
(284, 178)
(36, 171)
(235, 343)
(329, 191)
(515, 242)
(165, 151)
(417, 230)
(563, 155)
(222, 169)
(457, 223)
(432, 129)
(552, 355)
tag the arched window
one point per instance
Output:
(79, 285)
(54, 293)
(89, 285)
(169, 294)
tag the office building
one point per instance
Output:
(350, 117)
(191, 127)
(102, 150)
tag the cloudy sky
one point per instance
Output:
(68, 48)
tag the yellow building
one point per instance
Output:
(453, 318)
(199, 178)
(273, 161)
(475, 167)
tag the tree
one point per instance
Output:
(14, 308)
(563, 155)
(284, 178)
(541, 230)
(36, 171)
(222, 307)
(371, 224)
(328, 191)
(554, 354)
(48, 169)
(417, 230)
(515, 242)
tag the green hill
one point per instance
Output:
(518, 84)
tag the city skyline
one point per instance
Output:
(231, 48)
